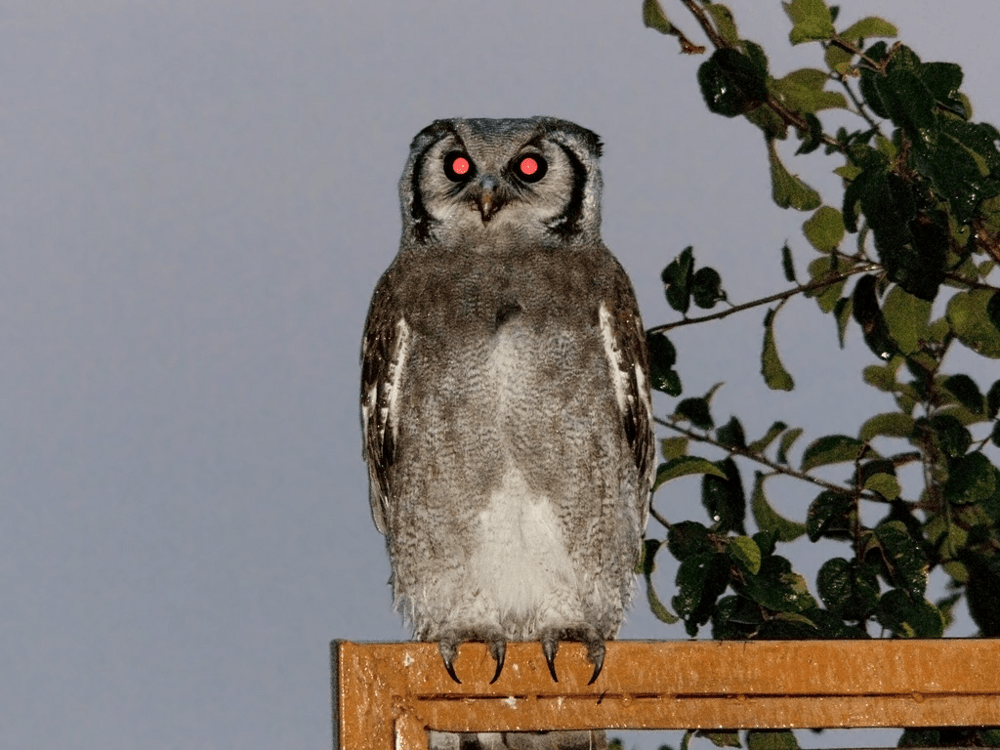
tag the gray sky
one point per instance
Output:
(195, 203)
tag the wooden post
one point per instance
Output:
(387, 695)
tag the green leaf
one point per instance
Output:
(649, 550)
(824, 229)
(775, 374)
(745, 551)
(653, 17)
(912, 247)
(908, 616)
(849, 591)
(950, 434)
(903, 557)
(826, 270)
(830, 515)
(964, 388)
(961, 161)
(787, 190)
(706, 288)
(993, 310)
(677, 280)
(687, 538)
(786, 444)
(891, 424)
(786, 263)
(971, 323)
(811, 137)
(683, 466)
(724, 499)
(983, 592)
(867, 28)
(993, 400)
(971, 478)
(885, 485)
(907, 317)
(731, 434)
(838, 60)
(662, 357)
(794, 617)
(803, 91)
(701, 579)
(832, 449)
(724, 22)
(908, 100)
(812, 21)
(843, 311)
(771, 739)
(777, 588)
(757, 446)
(696, 411)
(768, 519)
(721, 739)
(732, 83)
(869, 316)
(673, 447)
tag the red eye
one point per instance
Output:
(457, 167)
(530, 167)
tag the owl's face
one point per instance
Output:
(472, 183)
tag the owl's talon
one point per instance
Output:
(549, 647)
(498, 649)
(448, 652)
(450, 668)
(598, 663)
(595, 655)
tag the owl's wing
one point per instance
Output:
(628, 360)
(383, 357)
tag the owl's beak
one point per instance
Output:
(488, 198)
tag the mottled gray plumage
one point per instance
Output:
(505, 398)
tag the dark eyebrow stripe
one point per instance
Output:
(422, 218)
(567, 223)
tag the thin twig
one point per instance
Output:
(986, 240)
(848, 47)
(859, 105)
(958, 278)
(706, 24)
(660, 519)
(801, 288)
(762, 459)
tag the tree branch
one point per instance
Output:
(762, 459)
(801, 288)
(706, 23)
(858, 104)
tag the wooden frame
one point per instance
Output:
(386, 695)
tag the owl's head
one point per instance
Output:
(473, 182)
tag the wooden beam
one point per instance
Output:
(387, 695)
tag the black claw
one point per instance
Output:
(448, 656)
(499, 651)
(549, 648)
(451, 671)
(597, 671)
(596, 656)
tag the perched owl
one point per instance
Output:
(505, 395)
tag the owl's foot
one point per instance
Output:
(585, 634)
(495, 642)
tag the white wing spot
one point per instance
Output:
(400, 353)
(614, 355)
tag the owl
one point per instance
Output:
(505, 397)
